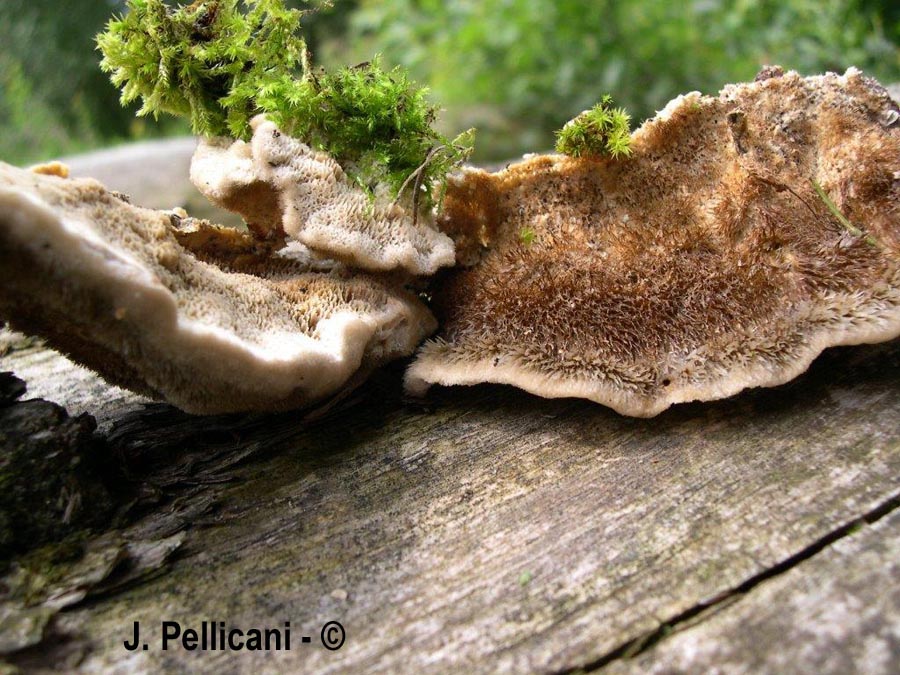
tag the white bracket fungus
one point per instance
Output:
(281, 186)
(113, 286)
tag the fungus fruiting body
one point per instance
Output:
(223, 62)
(721, 246)
(118, 288)
(347, 162)
(335, 174)
(704, 263)
(282, 187)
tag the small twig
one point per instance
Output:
(842, 219)
(414, 175)
(417, 186)
(780, 187)
(417, 177)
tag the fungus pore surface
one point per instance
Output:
(746, 233)
(283, 187)
(119, 289)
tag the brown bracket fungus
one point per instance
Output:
(119, 289)
(282, 187)
(705, 263)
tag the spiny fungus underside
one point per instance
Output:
(288, 192)
(214, 320)
(347, 162)
(703, 264)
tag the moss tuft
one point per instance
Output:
(221, 62)
(600, 131)
(527, 236)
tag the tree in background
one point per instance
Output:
(516, 69)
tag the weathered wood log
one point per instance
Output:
(495, 531)
(489, 531)
(50, 483)
(840, 607)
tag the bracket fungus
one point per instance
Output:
(281, 186)
(347, 162)
(200, 316)
(723, 245)
(706, 262)
(336, 196)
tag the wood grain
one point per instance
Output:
(493, 531)
(836, 613)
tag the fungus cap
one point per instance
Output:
(281, 185)
(747, 233)
(110, 284)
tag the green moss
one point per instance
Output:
(221, 62)
(855, 528)
(527, 236)
(600, 131)
(44, 567)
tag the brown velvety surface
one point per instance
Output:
(703, 264)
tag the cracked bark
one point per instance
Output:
(835, 611)
(736, 646)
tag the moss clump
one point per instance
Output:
(527, 236)
(221, 62)
(598, 132)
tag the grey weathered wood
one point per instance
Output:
(495, 531)
(52, 377)
(153, 173)
(838, 612)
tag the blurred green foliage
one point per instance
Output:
(53, 98)
(516, 69)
